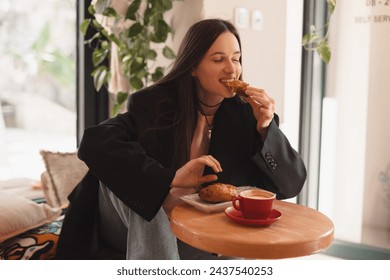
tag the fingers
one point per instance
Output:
(211, 162)
(190, 174)
(268, 114)
(263, 107)
(207, 179)
(261, 98)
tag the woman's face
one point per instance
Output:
(221, 62)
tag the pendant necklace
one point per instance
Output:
(210, 126)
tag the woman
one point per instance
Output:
(186, 130)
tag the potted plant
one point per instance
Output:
(135, 37)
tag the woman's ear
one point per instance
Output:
(193, 72)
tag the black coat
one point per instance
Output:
(139, 171)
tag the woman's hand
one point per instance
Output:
(263, 107)
(190, 175)
(188, 179)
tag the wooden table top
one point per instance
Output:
(300, 231)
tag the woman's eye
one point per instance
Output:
(221, 60)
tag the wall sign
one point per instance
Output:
(377, 10)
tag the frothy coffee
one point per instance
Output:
(258, 194)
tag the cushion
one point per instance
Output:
(63, 172)
(18, 214)
(39, 243)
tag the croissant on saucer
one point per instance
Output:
(237, 86)
(218, 192)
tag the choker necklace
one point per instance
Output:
(210, 130)
(207, 105)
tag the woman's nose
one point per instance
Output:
(230, 68)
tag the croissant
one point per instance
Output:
(237, 86)
(217, 192)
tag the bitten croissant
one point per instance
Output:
(218, 192)
(237, 86)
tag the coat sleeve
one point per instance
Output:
(281, 163)
(114, 156)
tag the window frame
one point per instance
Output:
(92, 105)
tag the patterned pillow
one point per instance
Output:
(63, 172)
(36, 244)
(18, 214)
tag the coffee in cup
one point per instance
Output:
(254, 204)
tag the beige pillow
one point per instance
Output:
(18, 214)
(63, 172)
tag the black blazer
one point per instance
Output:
(137, 167)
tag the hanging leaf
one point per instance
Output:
(151, 55)
(121, 98)
(136, 83)
(84, 26)
(137, 65)
(324, 52)
(115, 109)
(91, 9)
(158, 74)
(110, 12)
(135, 29)
(142, 74)
(105, 45)
(169, 53)
(132, 10)
(331, 6)
(99, 55)
(161, 30)
(166, 4)
(100, 76)
(126, 58)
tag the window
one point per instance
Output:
(38, 83)
(345, 134)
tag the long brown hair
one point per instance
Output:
(193, 48)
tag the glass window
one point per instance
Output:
(37, 84)
(355, 163)
(347, 143)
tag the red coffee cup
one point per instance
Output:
(254, 204)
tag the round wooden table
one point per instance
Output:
(300, 231)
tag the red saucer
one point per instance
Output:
(237, 217)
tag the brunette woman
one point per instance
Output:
(186, 130)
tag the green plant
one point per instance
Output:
(317, 39)
(136, 44)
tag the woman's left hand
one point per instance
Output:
(263, 107)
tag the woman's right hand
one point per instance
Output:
(190, 175)
(188, 180)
